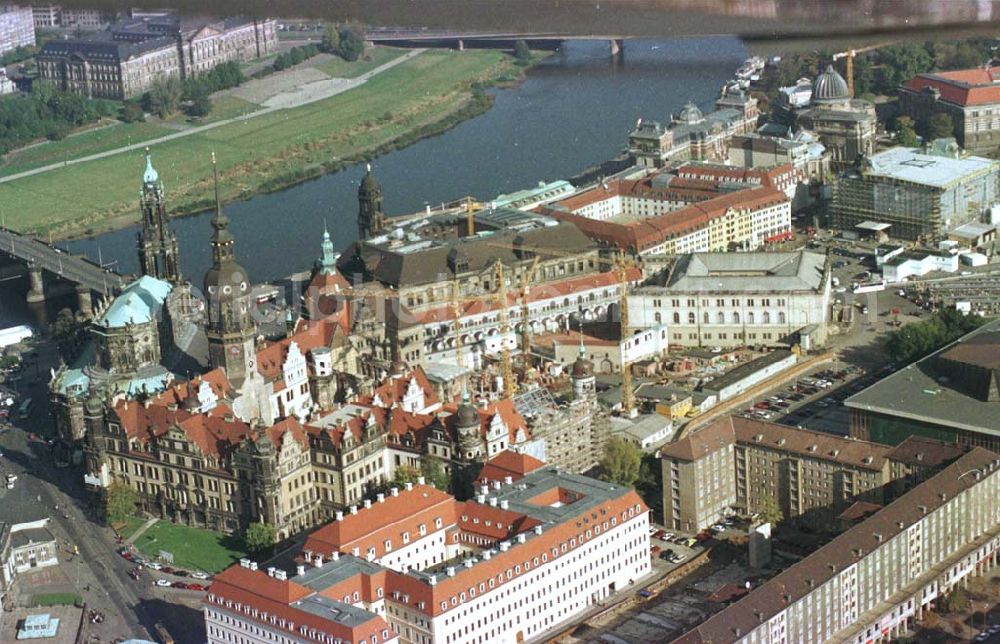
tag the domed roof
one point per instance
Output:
(690, 114)
(830, 87)
(369, 183)
(583, 368)
(467, 415)
(226, 281)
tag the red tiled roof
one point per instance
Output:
(508, 463)
(495, 524)
(308, 335)
(394, 389)
(505, 408)
(962, 87)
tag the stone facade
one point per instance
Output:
(17, 27)
(846, 126)
(969, 96)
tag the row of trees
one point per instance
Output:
(939, 125)
(294, 56)
(46, 112)
(166, 95)
(914, 341)
(348, 42)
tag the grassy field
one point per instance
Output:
(193, 548)
(271, 151)
(375, 56)
(105, 138)
(131, 525)
(56, 599)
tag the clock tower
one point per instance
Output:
(231, 328)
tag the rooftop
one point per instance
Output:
(913, 166)
(924, 452)
(978, 86)
(745, 370)
(746, 273)
(931, 391)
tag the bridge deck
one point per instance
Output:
(73, 268)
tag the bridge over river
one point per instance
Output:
(41, 257)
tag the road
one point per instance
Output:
(73, 268)
(296, 98)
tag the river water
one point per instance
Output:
(574, 110)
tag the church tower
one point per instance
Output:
(371, 218)
(470, 442)
(231, 329)
(584, 382)
(158, 256)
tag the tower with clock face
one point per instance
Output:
(231, 328)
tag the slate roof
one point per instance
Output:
(101, 48)
(747, 272)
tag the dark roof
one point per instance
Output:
(925, 452)
(743, 371)
(30, 536)
(703, 442)
(793, 583)
(101, 48)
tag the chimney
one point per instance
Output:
(253, 565)
(468, 563)
(380, 497)
(280, 574)
(300, 570)
(504, 546)
(507, 480)
(480, 498)
(484, 489)
(244, 563)
(270, 571)
(878, 536)
(944, 497)
(409, 486)
(334, 556)
(496, 485)
(394, 491)
(450, 570)
(338, 516)
(432, 580)
(493, 501)
(368, 504)
(421, 481)
(504, 504)
(487, 554)
(354, 509)
(922, 508)
(538, 529)
(309, 556)
(520, 538)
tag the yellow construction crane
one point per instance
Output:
(622, 266)
(849, 55)
(507, 370)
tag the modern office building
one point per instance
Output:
(970, 97)
(921, 194)
(739, 465)
(737, 299)
(873, 582)
(952, 395)
(17, 27)
(519, 560)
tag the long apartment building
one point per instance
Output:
(738, 463)
(874, 581)
(17, 27)
(698, 207)
(519, 560)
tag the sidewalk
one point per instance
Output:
(138, 533)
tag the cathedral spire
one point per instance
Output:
(150, 175)
(157, 244)
(220, 219)
(328, 261)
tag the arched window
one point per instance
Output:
(677, 317)
(736, 318)
(721, 317)
(781, 317)
(658, 317)
(750, 317)
(691, 318)
(704, 317)
(767, 317)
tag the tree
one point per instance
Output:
(132, 112)
(957, 601)
(119, 503)
(201, 105)
(906, 132)
(405, 474)
(621, 462)
(259, 538)
(331, 39)
(164, 96)
(521, 50)
(434, 474)
(940, 126)
(352, 44)
(770, 511)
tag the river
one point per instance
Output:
(573, 110)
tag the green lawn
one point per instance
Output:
(374, 56)
(193, 548)
(257, 152)
(105, 138)
(131, 525)
(56, 599)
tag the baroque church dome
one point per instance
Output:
(690, 115)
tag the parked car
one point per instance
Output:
(664, 556)
(654, 550)
(196, 587)
(153, 565)
(199, 575)
(167, 569)
(161, 582)
(179, 584)
(645, 593)
(181, 573)
(678, 558)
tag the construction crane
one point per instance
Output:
(507, 369)
(622, 266)
(526, 279)
(456, 313)
(849, 55)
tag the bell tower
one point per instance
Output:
(371, 218)
(231, 329)
(157, 244)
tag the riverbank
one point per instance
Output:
(421, 97)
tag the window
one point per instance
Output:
(677, 317)
(767, 317)
(721, 317)
(781, 317)
(691, 318)
(704, 317)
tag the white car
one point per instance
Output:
(162, 582)
(199, 575)
(153, 565)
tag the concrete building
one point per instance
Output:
(951, 395)
(438, 570)
(874, 581)
(970, 97)
(802, 150)
(736, 299)
(922, 194)
(739, 465)
(917, 458)
(917, 262)
(606, 355)
(17, 27)
(846, 126)
(123, 61)
(744, 377)
(692, 134)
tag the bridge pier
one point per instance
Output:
(36, 292)
(84, 301)
(616, 46)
